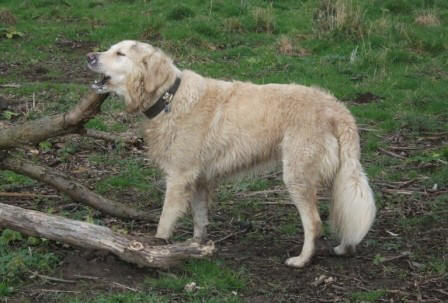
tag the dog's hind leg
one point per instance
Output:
(301, 178)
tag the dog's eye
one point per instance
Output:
(120, 53)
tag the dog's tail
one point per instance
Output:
(353, 209)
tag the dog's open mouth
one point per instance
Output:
(101, 85)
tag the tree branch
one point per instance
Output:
(83, 234)
(73, 189)
(36, 131)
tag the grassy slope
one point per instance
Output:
(394, 49)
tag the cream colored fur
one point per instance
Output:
(218, 128)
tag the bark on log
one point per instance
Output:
(77, 233)
(73, 189)
(38, 130)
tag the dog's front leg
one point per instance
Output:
(179, 193)
(199, 208)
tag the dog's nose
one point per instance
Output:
(92, 58)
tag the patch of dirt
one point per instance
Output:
(69, 69)
(102, 266)
(368, 97)
(87, 273)
(7, 18)
(77, 46)
(38, 73)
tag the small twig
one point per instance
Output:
(403, 147)
(262, 192)
(27, 195)
(338, 287)
(230, 235)
(276, 203)
(10, 85)
(86, 277)
(388, 152)
(442, 291)
(59, 290)
(405, 183)
(45, 277)
(402, 192)
(125, 287)
(34, 100)
(403, 254)
(71, 206)
(126, 138)
(397, 291)
(367, 129)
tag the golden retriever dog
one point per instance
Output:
(200, 129)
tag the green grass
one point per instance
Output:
(368, 296)
(214, 283)
(210, 278)
(10, 179)
(19, 257)
(132, 175)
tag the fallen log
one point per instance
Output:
(36, 131)
(83, 234)
(74, 189)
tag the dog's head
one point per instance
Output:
(133, 70)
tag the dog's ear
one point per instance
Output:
(154, 70)
(157, 68)
(136, 92)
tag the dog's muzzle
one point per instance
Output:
(99, 85)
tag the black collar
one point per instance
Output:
(164, 101)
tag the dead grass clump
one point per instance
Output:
(340, 17)
(286, 47)
(427, 18)
(7, 18)
(233, 25)
(264, 19)
(383, 24)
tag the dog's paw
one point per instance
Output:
(160, 241)
(344, 250)
(297, 262)
(195, 240)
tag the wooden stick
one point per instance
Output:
(83, 234)
(74, 189)
(45, 277)
(35, 131)
(388, 152)
(10, 85)
(27, 195)
(126, 138)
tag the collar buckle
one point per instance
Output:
(164, 102)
